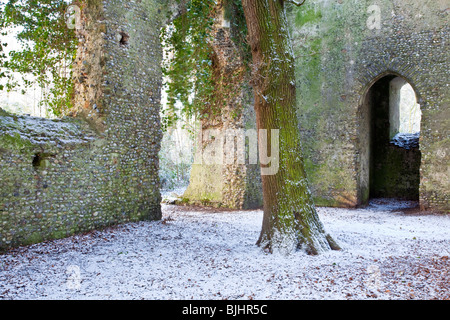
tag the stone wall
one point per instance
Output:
(99, 166)
(217, 176)
(343, 48)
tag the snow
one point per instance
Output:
(197, 253)
(44, 132)
(170, 196)
(406, 140)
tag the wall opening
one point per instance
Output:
(124, 39)
(41, 160)
(36, 160)
(404, 110)
(390, 153)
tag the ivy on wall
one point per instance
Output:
(187, 60)
(48, 48)
(188, 63)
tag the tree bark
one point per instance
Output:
(290, 218)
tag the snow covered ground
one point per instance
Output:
(196, 253)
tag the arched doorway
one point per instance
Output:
(389, 150)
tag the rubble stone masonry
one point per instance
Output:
(99, 166)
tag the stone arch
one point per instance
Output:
(386, 168)
(409, 78)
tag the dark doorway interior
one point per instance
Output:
(393, 161)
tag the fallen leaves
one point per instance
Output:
(428, 276)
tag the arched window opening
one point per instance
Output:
(404, 114)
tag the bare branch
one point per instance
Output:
(298, 4)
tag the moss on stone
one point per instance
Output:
(15, 142)
(307, 15)
(33, 238)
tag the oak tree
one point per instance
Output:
(290, 218)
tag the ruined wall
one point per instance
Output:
(98, 167)
(342, 48)
(217, 177)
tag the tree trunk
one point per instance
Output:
(290, 219)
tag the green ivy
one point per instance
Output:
(47, 52)
(234, 12)
(188, 65)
